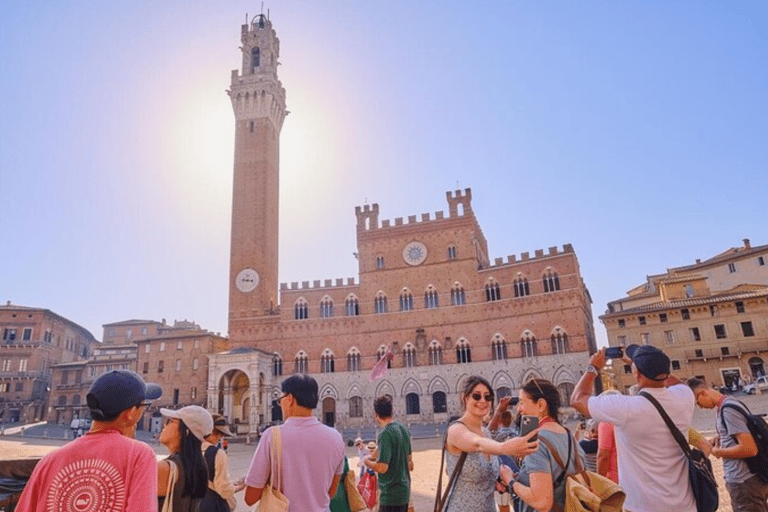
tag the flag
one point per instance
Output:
(380, 368)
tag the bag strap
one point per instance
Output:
(442, 500)
(210, 461)
(672, 427)
(558, 459)
(738, 407)
(275, 455)
(173, 474)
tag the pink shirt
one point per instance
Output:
(607, 441)
(312, 455)
(103, 472)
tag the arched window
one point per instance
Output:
(255, 58)
(300, 309)
(379, 262)
(451, 252)
(406, 300)
(351, 306)
(431, 300)
(356, 407)
(463, 351)
(551, 281)
(435, 353)
(565, 389)
(520, 285)
(439, 403)
(383, 350)
(301, 363)
(411, 403)
(492, 291)
(458, 298)
(353, 360)
(326, 362)
(409, 355)
(499, 348)
(277, 365)
(380, 303)
(559, 341)
(326, 307)
(528, 346)
(75, 399)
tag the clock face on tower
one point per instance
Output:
(247, 280)
(414, 253)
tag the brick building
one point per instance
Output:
(34, 340)
(427, 287)
(710, 317)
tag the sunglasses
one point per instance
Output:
(478, 396)
(537, 385)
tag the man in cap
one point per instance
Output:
(220, 487)
(105, 470)
(653, 469)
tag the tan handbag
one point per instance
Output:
(356, 502)
(272, 500)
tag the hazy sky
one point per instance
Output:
(635, 131)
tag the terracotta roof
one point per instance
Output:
(732, 253)
(682, 303)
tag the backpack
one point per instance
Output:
(759, 430)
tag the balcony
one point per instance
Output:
(45, 375)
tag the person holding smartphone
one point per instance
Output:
(540, 484)
(473, 491)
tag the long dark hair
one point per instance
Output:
(469, 385)
(195, 470)
(542, 388)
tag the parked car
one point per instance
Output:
(760, 381)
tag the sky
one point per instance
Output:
(635, 131)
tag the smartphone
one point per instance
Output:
(614, 353)
(527, 425)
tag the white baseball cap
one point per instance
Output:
(197, 419)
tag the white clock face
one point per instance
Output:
(247, 280)
(415, 253)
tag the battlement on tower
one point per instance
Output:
(526, 257)
(319, 284)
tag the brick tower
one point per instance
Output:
(258, 101)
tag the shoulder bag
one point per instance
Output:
(699, 467)
(173, 475)
(443, 497)
(355, 500)
(213, 501)
(272, 500)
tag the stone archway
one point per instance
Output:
(329, 411)
(234, 397)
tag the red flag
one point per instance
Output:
(380, 368)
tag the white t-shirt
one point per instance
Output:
(653, 469)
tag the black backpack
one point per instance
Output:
(759, 430)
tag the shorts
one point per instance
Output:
(501, 498)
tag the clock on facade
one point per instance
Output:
(247, 280)
(414, 253)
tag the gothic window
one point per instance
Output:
(255, 58)
(520, 286)
(353, 360)
(458, 298)
(463, 351)
(411, 403)
(435, 353)
(250, 126)
(277, 365)
(499, 348)
(452, 252)
(528, 346)
(431, 299)
(356, 407)
(351, 306)
(301, 363)
(439, 403)
(559, 342)
(379, 262)
(566, 390)
(406, 300)
(326, 362)
(409, 356)
(326, 307)
(492, 291)
(551, 281)
(300, 309)
(383, 350)
(380, 303)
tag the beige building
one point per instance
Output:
(34, 340)
(427, 288)
(711, 317)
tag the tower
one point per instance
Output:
(258, 101)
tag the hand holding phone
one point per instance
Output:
(528, 424)
(614, 353)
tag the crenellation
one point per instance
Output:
(316, 283)
(498, 262)
(304, 285)
(327, 283)
(567, 248)
(459, 198)
(439, 215)
(553, 251)
(512, 258)
(339, 281)
(294, 285)
(398, 221)
(385, 223)
(525, 256)
(350, 281)
(411, 219)
(538, 253)
(367, 217)
(425, 217)
(283, 286)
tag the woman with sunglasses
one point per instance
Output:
(540, 484)
(182, 478)
(473, 491)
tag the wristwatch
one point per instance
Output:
(510, 488)
(593, 370)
